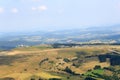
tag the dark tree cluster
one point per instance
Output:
(114, 58)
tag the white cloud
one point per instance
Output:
(14, 10)
(42, 8)
(1, 10)
(34, 8)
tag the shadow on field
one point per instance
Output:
(8, 60)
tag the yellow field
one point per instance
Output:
(24, 63)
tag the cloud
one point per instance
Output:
(34, 8)
(42, 8)
(14, 10)
(1, 10)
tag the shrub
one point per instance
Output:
(52, 62)
(89, 78)
(54, 79)
(97, 67)
(68, 77)
(68, 70)
(76, 64)
(66, 60)
(25, 69)
(32, 79)
(42, 61)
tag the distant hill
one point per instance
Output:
(107, 34)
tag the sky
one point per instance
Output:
(35, 15)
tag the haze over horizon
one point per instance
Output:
(35, 15)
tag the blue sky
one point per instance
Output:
(35, 15)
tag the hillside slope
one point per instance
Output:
(27, 63)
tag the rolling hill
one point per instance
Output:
(38, 62)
